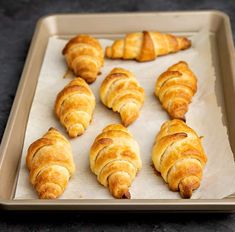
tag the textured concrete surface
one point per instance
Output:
(74, 221)
(17, 22)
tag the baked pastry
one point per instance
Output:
(178, 155)
(175, 89)
(122, 93)
(115, 159)
(84, 56)
(74, 107)
(146, 46)
(50, 162)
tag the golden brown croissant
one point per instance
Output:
(122, 93)
(50, 162)
(115, 159)
(74, 107)
(178, 155)
(175, 89)
(146, 46)
(84, 56)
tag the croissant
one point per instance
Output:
(178, 155)
(84, 56)
(146, 46)
(122, 93)
(74, 107)
(115, 159)
(50, 162)
(175, 89)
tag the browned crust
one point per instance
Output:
(81, 39)
(147, 50)
(114, 161)
(180, 162)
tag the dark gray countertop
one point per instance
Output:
(17, 22)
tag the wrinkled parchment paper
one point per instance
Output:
(204, 117)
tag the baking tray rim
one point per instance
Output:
(102, 14)
(13, 203)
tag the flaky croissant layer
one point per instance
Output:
(122, 93)
(50, 162)
(146, 46)
(179, 156)
(84, 56)
(74, 107)
(115, 159)
(175, 89)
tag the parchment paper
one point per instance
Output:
(204, 117)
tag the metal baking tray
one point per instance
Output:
(112, 26)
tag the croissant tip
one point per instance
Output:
(129, 119)
(65, 49)
(188, 185)
(186, 43)
(185, 191)
(189, 42)
(126, 124)
(126, 195)
(47, 197)
(90, 80)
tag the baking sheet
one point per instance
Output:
(204, 116)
